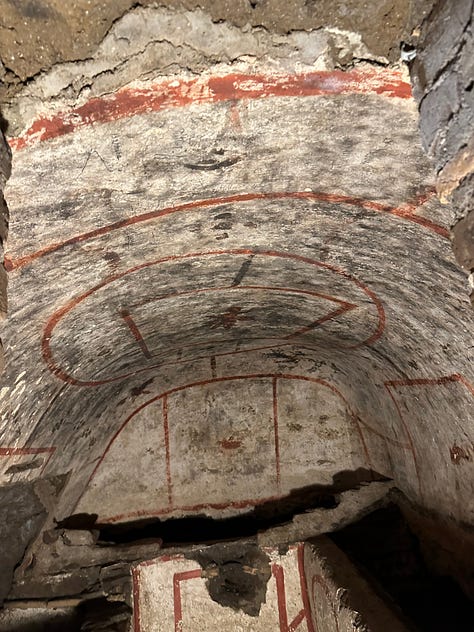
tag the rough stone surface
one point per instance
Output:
(38, 619)
(463, 230)
(5, 171)
(92, 570)
(150, 43)
(21, 516)
(36, 34)
(443, 77)
(236, 575)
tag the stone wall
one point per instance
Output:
(5, 171)
(443, 74)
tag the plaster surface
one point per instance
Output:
(208, 282)
(230, 283)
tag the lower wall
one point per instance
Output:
(309, 588)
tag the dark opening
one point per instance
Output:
(388, 554)
(204, 530)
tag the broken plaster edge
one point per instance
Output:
(152, 42)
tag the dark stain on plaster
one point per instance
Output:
(236, 575)
(142, 389)
(211, 165)
(244, 268)
(228, 319)
(17, 468)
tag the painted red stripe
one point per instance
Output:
(278, 574)
(338, 312)
(178, 607)
(405, 211)
(424, 381)
(125, 314)
(172, 93)
(136, 599)
(167, 451)
(304, 588)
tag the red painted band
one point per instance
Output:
(172, 93)
(405, 211)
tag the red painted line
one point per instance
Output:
(279, 575)
(61, 312)
(172, 93)
(296, 621)
(178, 607)
(234, 116)
(403, 212)
(166, 431)
(427, 381)
(444, 379)
(234, 505)
(125, 314)
(275, 429)
(136, 598)
(304, 588)
(321, 321)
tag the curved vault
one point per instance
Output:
(222, 289)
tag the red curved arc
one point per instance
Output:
(167, 94)
(164, 397)
(403, 212)
(60, 313)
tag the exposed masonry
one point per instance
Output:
(148, 43)
(75, 571)
(5, 171)
(38, 35)
(443, 79)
